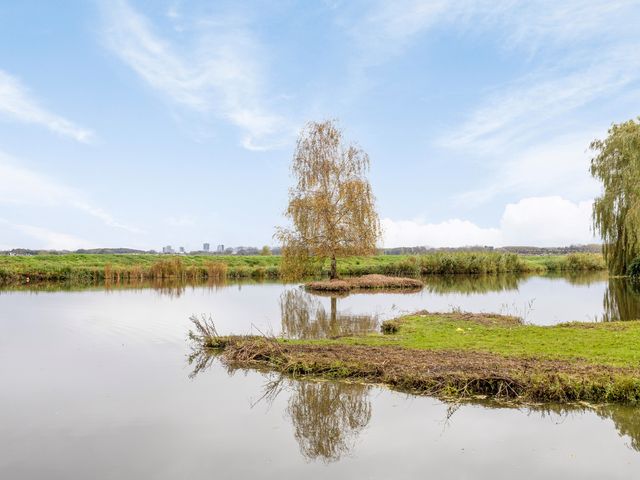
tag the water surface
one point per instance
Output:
(95, 384)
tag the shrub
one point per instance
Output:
(634, 268)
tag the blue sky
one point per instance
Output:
(145, 123)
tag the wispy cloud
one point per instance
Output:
(17, 103)
(520, 112)
(542, 169)
(388, 28)
(530, 129)
(21, 186)
(48, 239)
(220, 73)
(181, 221)
(382, 29)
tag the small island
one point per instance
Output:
(459, 356)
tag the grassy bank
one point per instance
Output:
(78, 267)
(464, 356)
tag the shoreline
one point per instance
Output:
(506, 361)
(95, 267)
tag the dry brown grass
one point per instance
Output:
(366, 282)
(216, 270)
(443, 373)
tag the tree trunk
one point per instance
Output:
(334, 314)
(333, 274)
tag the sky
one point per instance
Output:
(132, 123)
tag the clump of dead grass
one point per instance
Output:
(445, 374)
(366, 282)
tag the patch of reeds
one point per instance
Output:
(584, 262)
(169, 268)
(205, 334)
(216, 270)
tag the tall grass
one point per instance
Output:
(217, 270)
(114, 268)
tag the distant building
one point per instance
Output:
(220, 249)
(182, 250)
(167, 249)
(205, 247)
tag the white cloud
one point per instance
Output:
(535, 221)
(48, 239)
(17, 103)
(21, 186)
(547, 221)
(221, 74)
(450, 233)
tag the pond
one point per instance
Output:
(96, 384)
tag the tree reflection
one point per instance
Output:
(327, 417)
(304, 316)
(621, 300)
(627, 422)
(625, 418)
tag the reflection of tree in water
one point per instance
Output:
(304, 316)
(621, 300)
(442, 284)
(327, 417)
(626, 420)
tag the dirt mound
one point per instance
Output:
(366, 282)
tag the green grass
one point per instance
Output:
(88, 267)
(610, 343)
(462, 356)
(92, 267)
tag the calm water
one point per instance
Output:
(95, 384)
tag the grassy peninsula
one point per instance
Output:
(461, 355)
(97, 267)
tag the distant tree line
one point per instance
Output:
(522, 250)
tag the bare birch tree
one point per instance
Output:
(331, 205)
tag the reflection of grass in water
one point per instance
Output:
(305, 317)
(167, 286)
(476, 284)
(471, 284)
(580, 278)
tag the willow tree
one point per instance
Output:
(616, 213)
(331, 205)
